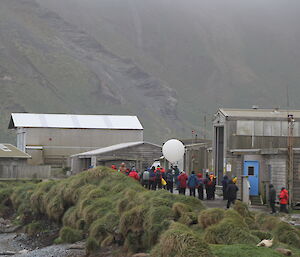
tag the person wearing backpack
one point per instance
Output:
(152, 178)
(170, 180)
(158, 178)
(146, 178)
(200, 186)
(182, 178)
(192, 184)
(224, 186)
(231, 193)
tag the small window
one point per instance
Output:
(251, 171)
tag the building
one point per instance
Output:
(11, 159)
(52, 138)
(197, 155)
(139, 154)
(254, 143)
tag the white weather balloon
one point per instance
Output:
(173, 150)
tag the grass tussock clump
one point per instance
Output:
(33, 228)
(210, 217)
(287, 234)
(266, 222)
(70, 235)
(107, 206)
(262, 234)
(181, 241)
(91, 246)
(179, 209)
(229, 231)
(242, 209)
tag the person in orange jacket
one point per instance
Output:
(283, 200)
(134, 174)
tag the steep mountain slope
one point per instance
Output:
(48, 65)
(168, 61)
(214, 53)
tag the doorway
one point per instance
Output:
(219, 152)
(251, 169)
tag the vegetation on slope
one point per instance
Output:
(106, 208)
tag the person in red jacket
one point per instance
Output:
(284, 200)
(182, 179)
(134, 174)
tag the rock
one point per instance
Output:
(9, 229)
(7, 253)
(77, 246)
(141, 255)
(283, 251)
(23, 251)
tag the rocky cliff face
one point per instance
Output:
(49, 65)
(170, 62)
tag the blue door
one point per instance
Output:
(251, 169)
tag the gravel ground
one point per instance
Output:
(53, 251)
(8, 243)
(14, 243)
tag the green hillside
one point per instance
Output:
(169, 62)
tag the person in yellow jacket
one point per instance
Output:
(234, 180)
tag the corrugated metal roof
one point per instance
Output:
(32, 120)
(112, 148)
(259, 113)
(10, 151)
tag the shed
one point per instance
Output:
(11, 158)
(254, 143)
(52, 138)
(139, 154)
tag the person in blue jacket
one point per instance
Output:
(192, 183)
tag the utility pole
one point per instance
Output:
(290, 167)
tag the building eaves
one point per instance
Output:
(112, 148)
(273, 114)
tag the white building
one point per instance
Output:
(52, 138)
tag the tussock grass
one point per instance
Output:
(262, 234)
(210, 217)
(106, 206)
(266, 222)
(91, 245)
(181, 241)
(33, 228)
(179, 209)
(70, 235)
(242, 209)
(230, 231)
(287, 234)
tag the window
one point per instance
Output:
(250, 171)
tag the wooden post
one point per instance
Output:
(290, 168)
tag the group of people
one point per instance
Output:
(158, 178)
(283, 199)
